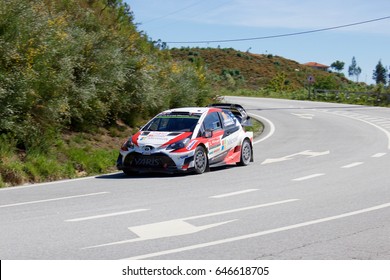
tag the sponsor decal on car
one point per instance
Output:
(158, 136)
(232, 141)
(192, 144)
(215, 143)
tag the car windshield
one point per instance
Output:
(172, 122)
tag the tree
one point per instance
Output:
(354, 70)
(338, 66)
(380, 74)
(76, 64)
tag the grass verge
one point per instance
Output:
(72, 155)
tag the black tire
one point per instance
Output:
(246, 153)
(200, 160)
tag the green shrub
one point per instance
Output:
(7, 146)
(2, 183)
(40, 168)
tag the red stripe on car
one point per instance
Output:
(182, 136)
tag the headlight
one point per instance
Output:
(128, 145)
(179, 144)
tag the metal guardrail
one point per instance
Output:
(380, 97)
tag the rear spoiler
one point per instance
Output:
(237, 110)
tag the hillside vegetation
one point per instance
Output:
(233, 72)
(235, 69)
(71, 66)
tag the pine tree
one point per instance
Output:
(380, 74)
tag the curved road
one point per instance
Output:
(319, 189)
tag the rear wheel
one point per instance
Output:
(200, 160)
(246, 153)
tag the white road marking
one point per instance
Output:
(271, 130)
(371, 119)
(169, 229)
(260, 233)
(378, 155)
(307, 153)
(360, 118)
(180, 226)
(304, 116)
(233, 193)
(106, 215)
(354, 164)
(275, 160)
(52, 199)
(56, 182)
(160, 230)
(308, 177)
(240, 209)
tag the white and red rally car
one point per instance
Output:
(189, 139)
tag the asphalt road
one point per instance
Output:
(319, 189)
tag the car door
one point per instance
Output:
(213, 123)
(231, 128)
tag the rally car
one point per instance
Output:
(189, 140)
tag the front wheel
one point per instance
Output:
(200, 160)
(246, 153)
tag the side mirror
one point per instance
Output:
(247, 122)
(207, 134)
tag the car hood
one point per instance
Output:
(158, 138)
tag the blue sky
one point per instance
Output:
(213, 20)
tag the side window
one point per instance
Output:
(212, 122)
(227, 119)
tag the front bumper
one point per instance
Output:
(155, 162)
